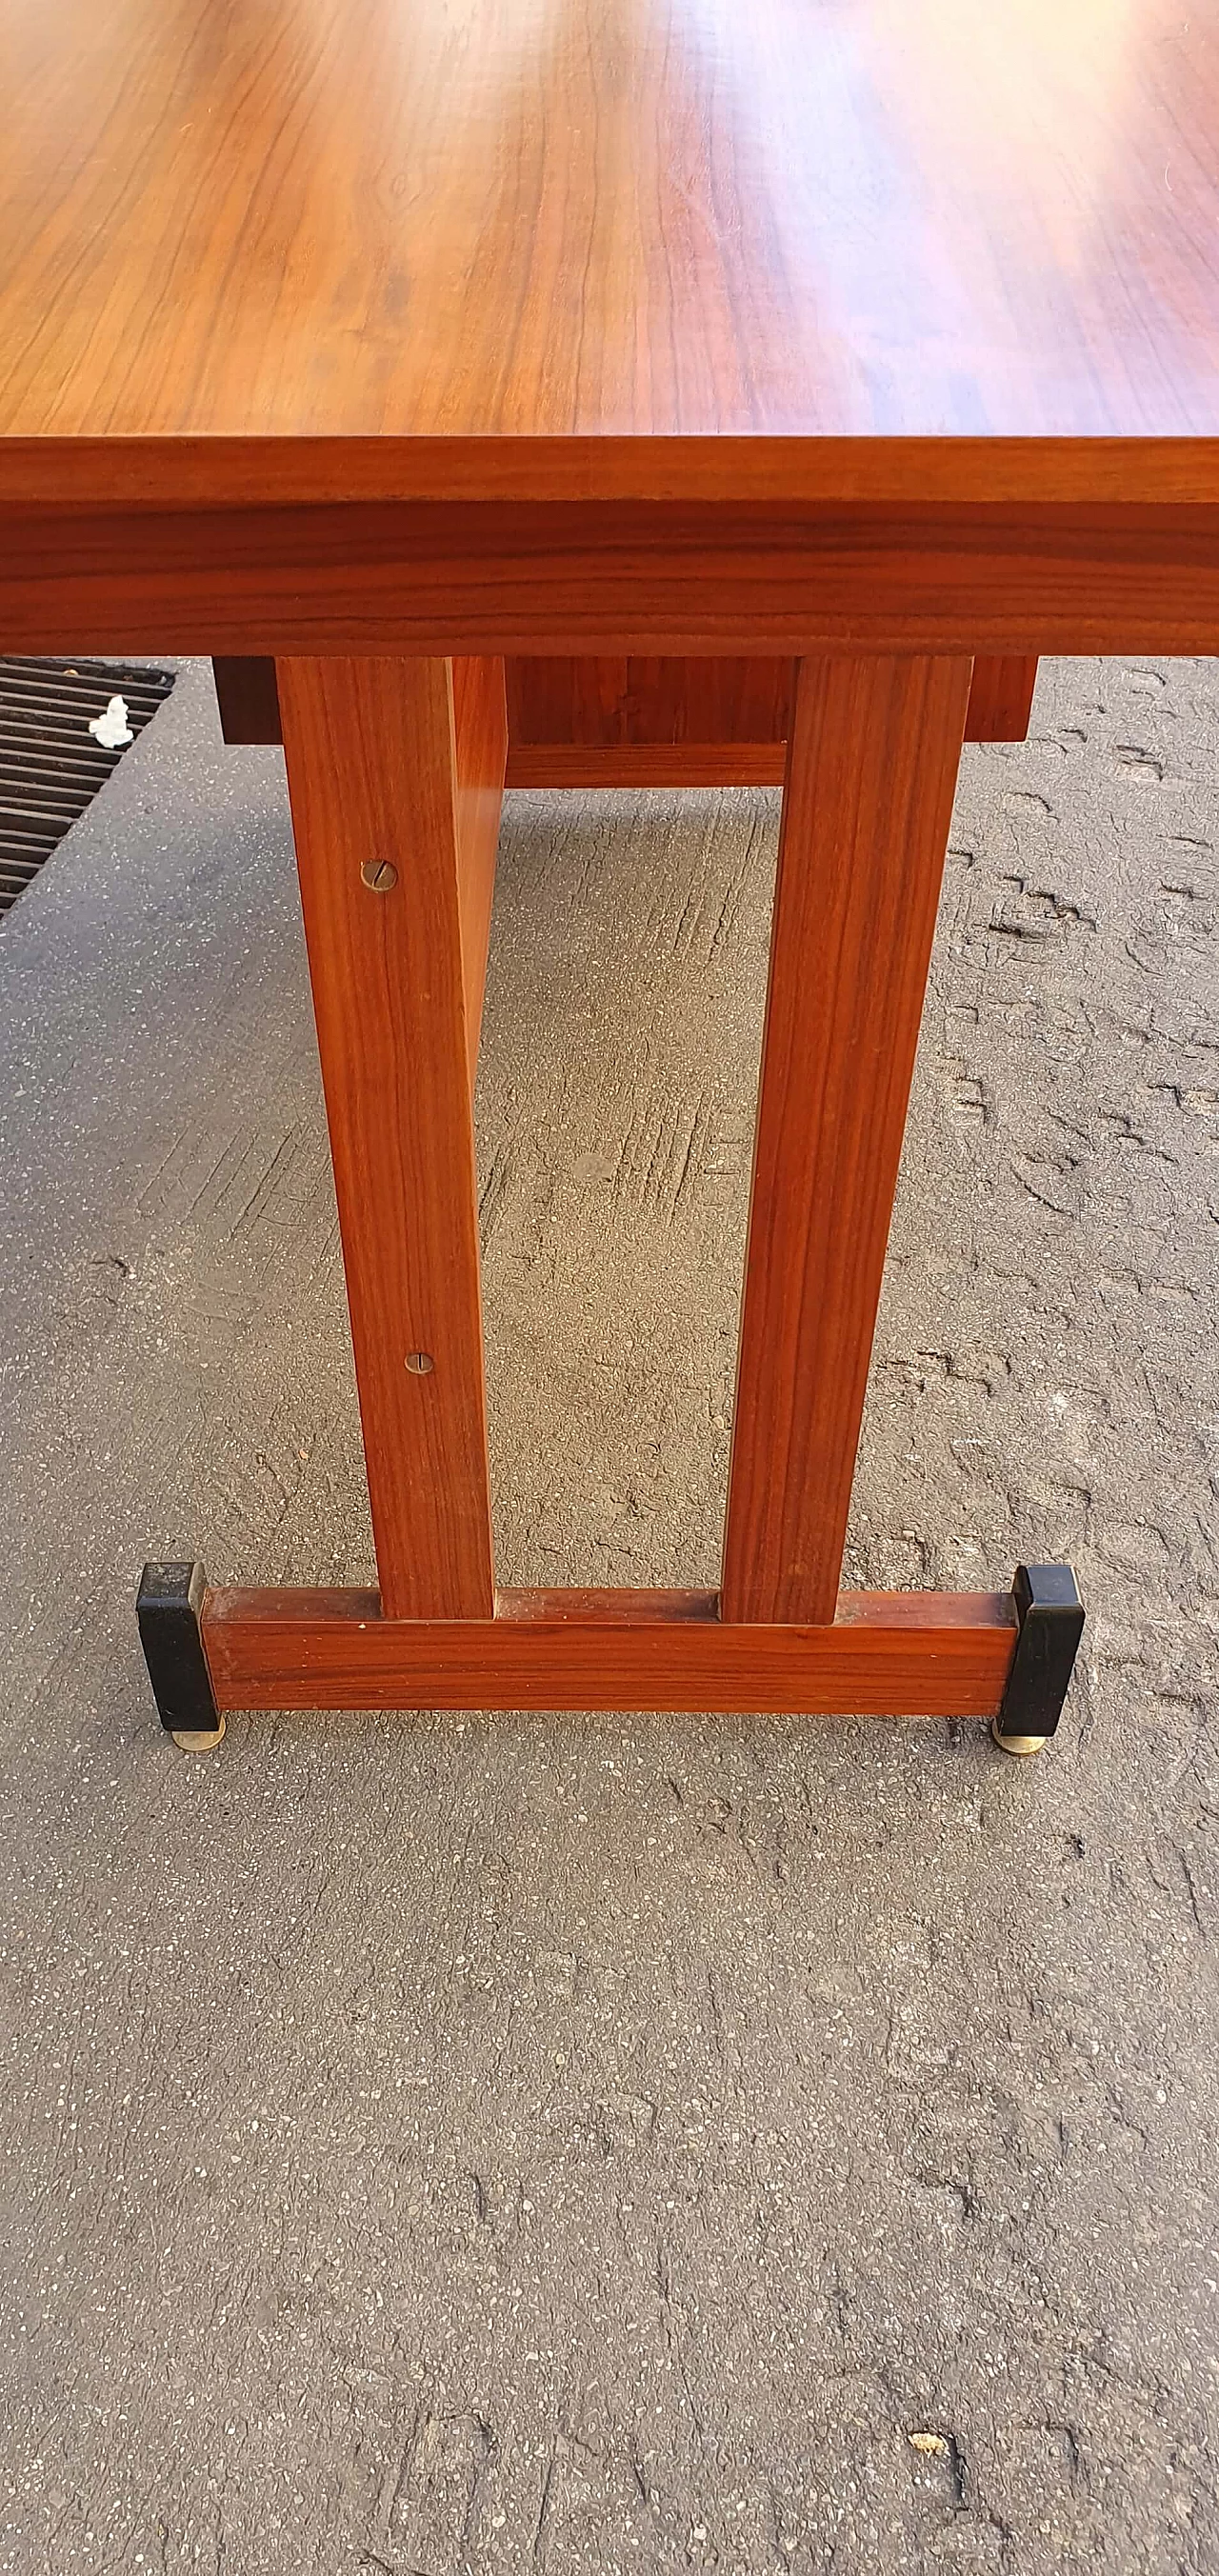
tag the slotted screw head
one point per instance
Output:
(379, 875)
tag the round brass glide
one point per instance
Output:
(1021, 1745)
(197, 1739)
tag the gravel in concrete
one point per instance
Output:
(465, 2143)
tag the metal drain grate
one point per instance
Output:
(51, 766)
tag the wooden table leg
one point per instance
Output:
(395, 779)
(871, 768)
(246, 698)
(396, 770)
(1001, 698)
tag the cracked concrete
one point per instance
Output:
(453, 2143)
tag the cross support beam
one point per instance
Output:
(898, 1654)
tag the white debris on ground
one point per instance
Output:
(112, 730)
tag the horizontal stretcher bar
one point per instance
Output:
(933, 1654)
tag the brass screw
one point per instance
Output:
(379, 875)
(420, 1363)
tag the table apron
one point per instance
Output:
(453, 579)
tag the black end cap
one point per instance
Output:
(1051, 1620)
(169, 1607)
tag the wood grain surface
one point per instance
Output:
(871, 768)
(247, 698)
(647, 764)
(932, 1654)
(606, 701)
(570, 578)
(480, 753)
(631, 722)
(617, 222)
(376, 777)
(1001, 698)
(738, 709)
(949, 472)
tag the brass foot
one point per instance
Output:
(1020, 1744)
(197, 1739)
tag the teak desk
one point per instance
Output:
(618, 389)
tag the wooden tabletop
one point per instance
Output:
(610, 247)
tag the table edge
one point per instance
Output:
(222, 471)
